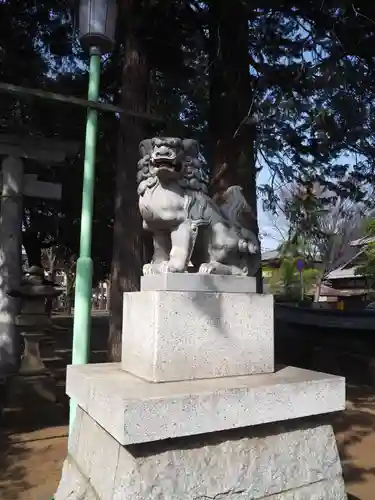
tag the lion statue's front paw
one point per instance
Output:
(148, 270)
(164, 268)
(152, 268)
(253, 249)
(172, 266)
(207, 268)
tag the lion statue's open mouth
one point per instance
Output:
(166, 158)
(165, 164)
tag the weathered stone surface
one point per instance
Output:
(251, 467)
(298, 461)
(31, 362)
(75, 433)
(191, 282)
(74, 485)
(333, 489)
(190, 335)
(135, 411)
(97, 456)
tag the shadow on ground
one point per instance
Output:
(355, 433)
(30, 462)
(28, 432)
(28, 446)
(34, 429)
(12, 474)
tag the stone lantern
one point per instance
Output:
(97, 24)
(33, 319)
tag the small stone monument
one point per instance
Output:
(33, 319)
(197, 408)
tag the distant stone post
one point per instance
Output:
(10, 260)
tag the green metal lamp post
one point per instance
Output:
(97, 21)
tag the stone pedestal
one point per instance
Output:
(186, 335)
(169, 423)
(31, 362)
(296, 461)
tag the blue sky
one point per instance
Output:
(275, 226)
(264, 219)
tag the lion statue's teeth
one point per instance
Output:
(187, 225)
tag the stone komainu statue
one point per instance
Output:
(187, 225)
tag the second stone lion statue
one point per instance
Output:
(187, 225)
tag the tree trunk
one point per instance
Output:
(68, 304)
(108, 301)
(70, 280)
(101, 298)
(33, 248)
(52, 277)
(232, 135)
(128, 242)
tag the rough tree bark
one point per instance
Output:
(128, 243)
(33, 248)
(232, 132)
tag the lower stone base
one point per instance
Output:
(294, 461)
(32, 389)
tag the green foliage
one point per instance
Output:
(321, 226)
(286, 280)
(316, 103)
(311, 278)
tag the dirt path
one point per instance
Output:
(355, 432)
(32, 468)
